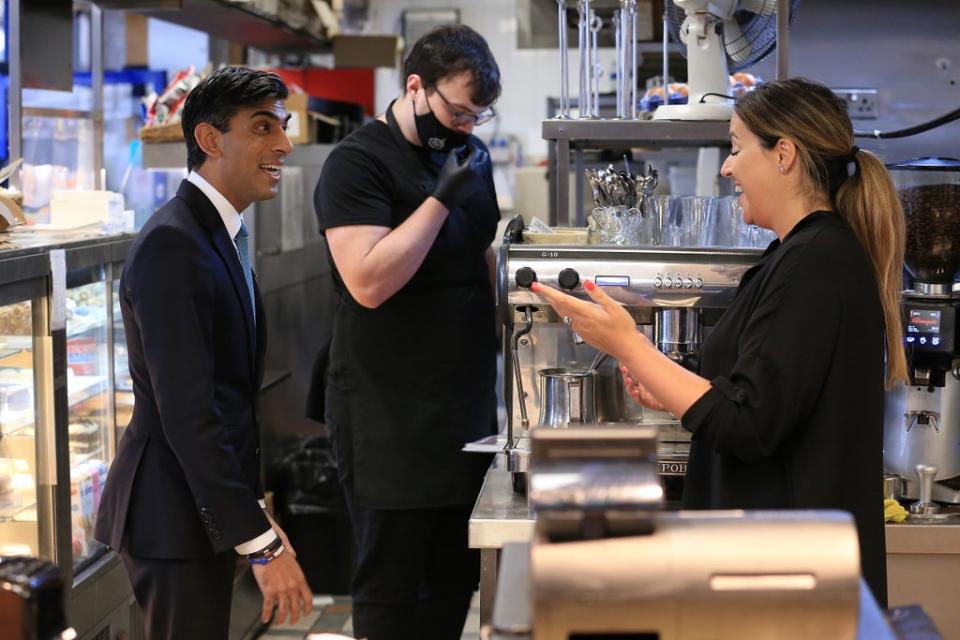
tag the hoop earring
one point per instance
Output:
(781, 169)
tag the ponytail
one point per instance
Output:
(868, 202)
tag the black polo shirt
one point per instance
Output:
(410, 382)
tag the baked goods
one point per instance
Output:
(16, 320)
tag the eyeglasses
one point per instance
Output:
(465, 117)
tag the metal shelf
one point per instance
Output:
(85, 387)
(662, 133)
(165, 155)
(76, 328)
(23, 513)
(612, 133)
(238, 24)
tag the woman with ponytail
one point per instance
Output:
(786, 410)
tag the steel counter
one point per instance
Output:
(499, 516)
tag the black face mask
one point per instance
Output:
(434, 135)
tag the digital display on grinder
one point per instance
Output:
(924, 321)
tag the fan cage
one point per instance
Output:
(759, 32)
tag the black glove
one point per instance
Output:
(459, 174)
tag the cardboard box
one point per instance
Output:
(367, 51)
(298, 129)
(137, 37)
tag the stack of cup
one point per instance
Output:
(698, 221)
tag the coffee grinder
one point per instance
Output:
(922, 420)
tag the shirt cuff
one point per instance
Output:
(258, 543)
(699, 412)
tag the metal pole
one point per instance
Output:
(783, 38)
(564, 73)
(14, 91)
(617, 21)
(666, 56)
(633, 59)
(623, 90)
(583, 46)
(596, 24)
(96, 85)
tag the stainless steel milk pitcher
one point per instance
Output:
(567, 397)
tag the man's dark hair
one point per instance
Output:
(219, 97)
(449, 51)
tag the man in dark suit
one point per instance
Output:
(181, 498)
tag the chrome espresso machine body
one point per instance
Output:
(552, 379)
(921, 437)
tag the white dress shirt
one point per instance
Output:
(232, 221)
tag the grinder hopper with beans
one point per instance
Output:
(922, 420)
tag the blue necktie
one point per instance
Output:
(241, 241)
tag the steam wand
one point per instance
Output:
(514, 345)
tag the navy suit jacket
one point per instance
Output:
(186, 478)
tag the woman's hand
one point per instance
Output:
(605, 325)
(640, 393)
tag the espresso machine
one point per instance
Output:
(554, 380)
(921, 439)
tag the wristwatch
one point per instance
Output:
(268, 554)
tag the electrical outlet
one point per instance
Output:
(861, 102)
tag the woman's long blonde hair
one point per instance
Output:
(855, 181)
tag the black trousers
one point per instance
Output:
(183, 599)
(415, 574)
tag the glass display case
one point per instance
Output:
(19, 534)
(64, 395)
(91, 426)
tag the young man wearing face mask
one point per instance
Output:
(408, 208)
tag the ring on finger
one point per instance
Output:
(567, 320)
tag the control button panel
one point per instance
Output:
(929, 327)
(677, 281)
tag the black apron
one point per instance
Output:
(410, 382)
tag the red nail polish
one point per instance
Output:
(588, 285)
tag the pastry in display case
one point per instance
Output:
(18, 515)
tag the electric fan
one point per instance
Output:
(718, 37)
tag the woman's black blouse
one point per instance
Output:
(794, 416)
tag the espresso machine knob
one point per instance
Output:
(525, 277)
(568, 279)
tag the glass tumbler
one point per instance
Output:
(688, 224)
(727, 222)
